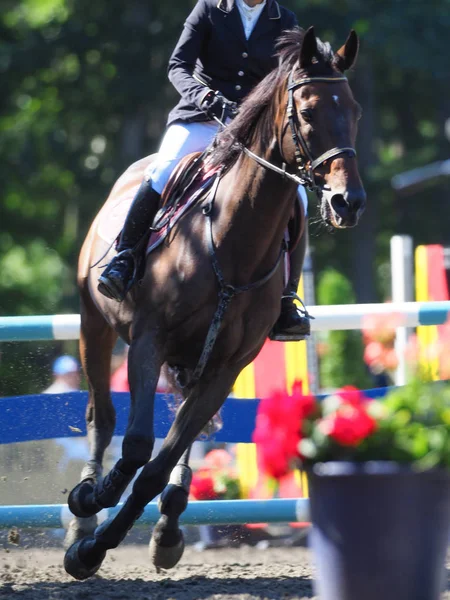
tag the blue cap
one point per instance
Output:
(65, 364)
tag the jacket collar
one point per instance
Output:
(273, 9)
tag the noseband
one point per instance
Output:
(306, 164)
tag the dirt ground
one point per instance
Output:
(244, 573)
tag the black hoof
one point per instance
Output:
(78, 502)
(166, 557)
(76, 567)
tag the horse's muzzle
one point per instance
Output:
(343, 209)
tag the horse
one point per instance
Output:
(209, 296)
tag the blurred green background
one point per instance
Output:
(84, 93)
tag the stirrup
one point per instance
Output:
(288, 337)
(292, 337)
(302, 310)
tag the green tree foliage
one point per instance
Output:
(341, 363)
(85, 93)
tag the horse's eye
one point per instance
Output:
(307, 115)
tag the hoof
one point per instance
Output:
(166, 557)
(77, 500)
(79, 529)
(75, 566)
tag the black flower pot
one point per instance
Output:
(380, 531)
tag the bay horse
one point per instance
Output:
(209, 297)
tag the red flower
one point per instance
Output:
(352, 395)
(348, 426)
(273, 457)
(278, 429)
(202, 486)
(304, 405)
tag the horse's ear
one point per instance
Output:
(345, 57)
(309, 49)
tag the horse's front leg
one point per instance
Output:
(90, 497)
(84, 559)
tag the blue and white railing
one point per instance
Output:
(211, 512)
(326, 318)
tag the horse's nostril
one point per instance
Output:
(339, 203)
(347, 204)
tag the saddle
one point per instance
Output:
(188, 184)
(181, 177)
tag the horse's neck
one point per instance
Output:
(256, 205)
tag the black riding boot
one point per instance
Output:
(291, 324)
(119, 276)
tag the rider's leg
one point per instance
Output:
(292, 323)
(180, 139)
(118, 277)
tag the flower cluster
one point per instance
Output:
(216, 480)
(277, 434)
(379, 333)
(411, 424)
(379, 339)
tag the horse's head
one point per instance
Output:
(320, 125)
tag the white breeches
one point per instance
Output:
(181, 139)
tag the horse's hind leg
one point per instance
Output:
(85, 558)
(144, 366)
(167, 543)
(97, 340)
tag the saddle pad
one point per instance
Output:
(112, 216)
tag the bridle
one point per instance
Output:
(306, 164)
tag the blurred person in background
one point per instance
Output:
(67, 378)
(66, 375)
(226, 48)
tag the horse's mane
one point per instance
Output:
(260, 102)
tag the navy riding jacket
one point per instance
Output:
(213, 54)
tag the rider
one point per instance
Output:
(226, 48)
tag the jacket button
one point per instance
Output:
(237, 87)
(244, 55)
(241, 73)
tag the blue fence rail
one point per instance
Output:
(47, 416)
(211, 512)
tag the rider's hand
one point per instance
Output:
(216, 105)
